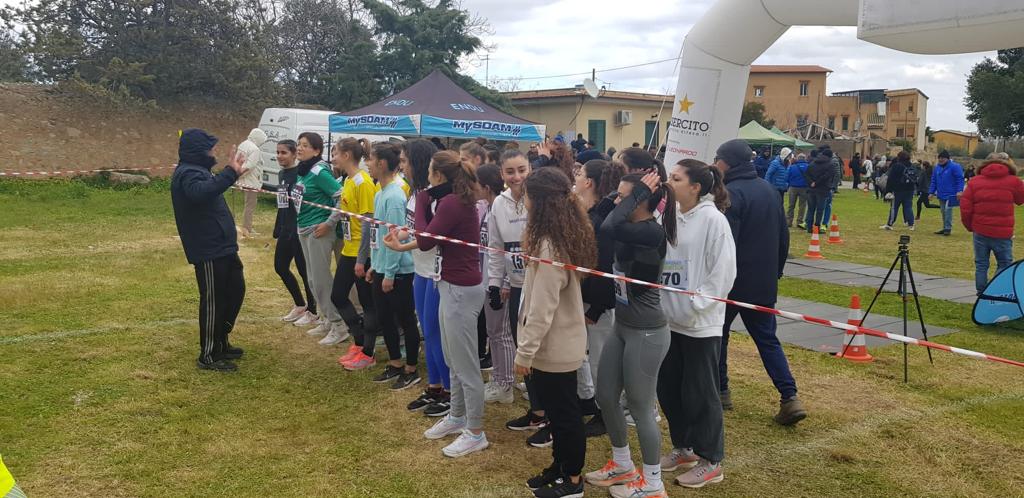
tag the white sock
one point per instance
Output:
(652, 474)
(622, 457)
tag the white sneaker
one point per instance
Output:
(305, 320)
(886, 227)
(322, 328)
(337, 334)
(444, 427)
(296, 313)
(493, 393)
(465, 444)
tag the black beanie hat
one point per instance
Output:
(944, 154)
(735, 152)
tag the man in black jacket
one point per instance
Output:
(820, 179)
(207, 231)
(759, 229)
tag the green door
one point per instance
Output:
(595, 132)
(651, 133)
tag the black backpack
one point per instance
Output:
(910, 174)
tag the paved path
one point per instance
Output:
(853, 274)
(824, 339)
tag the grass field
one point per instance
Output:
(99, 395)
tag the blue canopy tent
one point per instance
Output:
(1001, 300)
(435, 107)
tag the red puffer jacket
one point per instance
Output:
(987, 205)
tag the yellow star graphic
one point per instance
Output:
(685, 104)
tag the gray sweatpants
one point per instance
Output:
(631, 360)
(597, 335)
(459, 311)
(319, 253)
(503, 348)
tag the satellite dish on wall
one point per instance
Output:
(591, 88)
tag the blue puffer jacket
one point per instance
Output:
(947, 181)
(797, 172)
(778, 175)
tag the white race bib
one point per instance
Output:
(346, 228)
(674, 273)
(437, 264)
(282, 198)
(373, 237)
(297, 196)
(517, 261)
(620, 288)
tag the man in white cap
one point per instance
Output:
(778, 172)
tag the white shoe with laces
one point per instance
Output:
(305, 320)
(293, 315)
(337, 334)
(493, 393)
(321, 329)
(465, 444)
(444, 427)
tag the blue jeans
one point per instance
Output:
(905, 199)
(1003, 249)
(761, 327)
(428, 301)
(947, 214)
(816, 205)
(827, 216)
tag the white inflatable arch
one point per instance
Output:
(718, 51)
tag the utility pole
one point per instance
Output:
(487, 70)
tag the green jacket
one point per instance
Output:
(317, 186)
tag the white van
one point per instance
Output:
(286, 124)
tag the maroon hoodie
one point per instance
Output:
(460, 265)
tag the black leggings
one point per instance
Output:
(286, 250)
(513, 320)
(396, 309)
(344, 279)
(923, 200)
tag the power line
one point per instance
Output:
(587, 73)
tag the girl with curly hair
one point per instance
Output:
(552, 339)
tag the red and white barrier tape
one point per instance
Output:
(78, 171)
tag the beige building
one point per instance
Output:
(614, 119)
(797, 96)
(952, 139)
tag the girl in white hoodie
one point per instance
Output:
(703, 260)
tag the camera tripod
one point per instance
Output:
(906, 275)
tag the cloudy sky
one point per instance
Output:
(543, 37)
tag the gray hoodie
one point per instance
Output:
(505, 224)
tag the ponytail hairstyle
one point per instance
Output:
(389, 153)
(710, 180)
(418, 152)
(662, 191)
(489, 177)
(605, 175)
(459, 173)
(474, 149)
(557, 216)
(510, 154)
(636, 159)
(353, 147)
(288, 144)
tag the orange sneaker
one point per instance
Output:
(352, 350)
(360, 362)
(612, 474)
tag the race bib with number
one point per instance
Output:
(483, 235)
(282, 197)
(346, 228)
(515, 259)
(373, 238)
(410, 219)
(437, 264)
(674, 273)
(621, 294)
(297, 196)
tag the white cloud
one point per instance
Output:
(539, 38)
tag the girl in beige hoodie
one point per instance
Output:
(552, 339)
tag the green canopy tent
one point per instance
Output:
(755, 134)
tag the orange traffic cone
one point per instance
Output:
(853, 346)
(814, 250)
(833, 231)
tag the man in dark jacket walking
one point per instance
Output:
(758, 224)
(207, 232)
(902, 183)
(820, 177)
